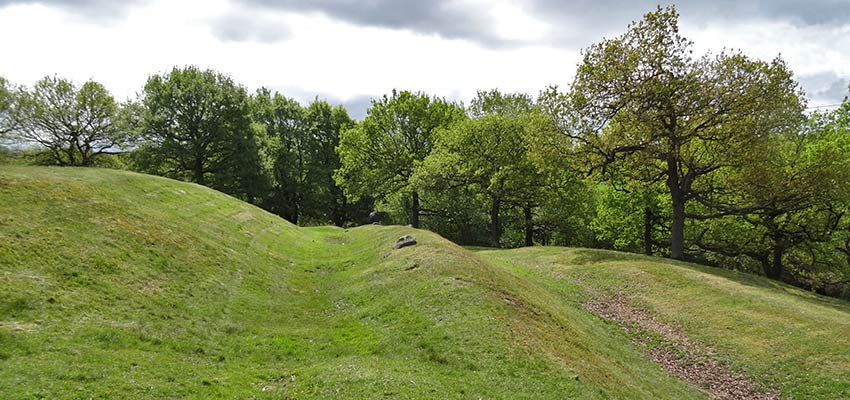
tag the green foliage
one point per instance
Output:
(488, 154)
(621, 219)
(642, 107)
(301, 148)
(785, 204)
(458, 214)
(379, 154)
(7, 103)
(565, 211)
(74, 124)
(281, 121)
(329, 203)
(494, 102)
(486, 162)
(196, 125)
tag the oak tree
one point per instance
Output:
(379, 154)
(643, 101)
(197, 126)
(74, 124)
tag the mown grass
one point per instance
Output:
(778, 335)
(121, 285)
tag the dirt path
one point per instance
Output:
(680, 356)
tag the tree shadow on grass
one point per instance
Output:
(597, 256)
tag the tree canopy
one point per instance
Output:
(303, 143)
(196, 125)
(642, 101)
(75, 124)
(488, 154)
(379, 154)
(7, 102)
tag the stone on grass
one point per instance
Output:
(404, 241)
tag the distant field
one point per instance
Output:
(121, 285)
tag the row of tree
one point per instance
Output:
(198, 126)
(651, 149)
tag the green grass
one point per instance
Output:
(781, 336)
(121, 285)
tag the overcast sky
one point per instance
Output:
(347, 51)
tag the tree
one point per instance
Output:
(75, 124)
(379, 154)
(302, 147)
(304, 153)
(7, 104)
(324, 123)
(790, 196)
(197, 126)
(518, 106)
(489, 154)
(640, 100)
(476, 153)
(628, 218)
(494, 102)
(283, 121)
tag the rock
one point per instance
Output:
(404, 241)
(377, 216)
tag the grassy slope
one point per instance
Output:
(790, 339)
(119, 285)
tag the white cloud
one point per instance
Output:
(310, 53)
(321, 55)
(812, 50)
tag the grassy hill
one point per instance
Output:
(121, 285)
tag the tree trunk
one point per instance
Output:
(529, 226)
(677, 196)
(775, 270)
(72, 160)
(677, 230)
(85, 155)
(339, 215)
(647, 231)
(495, 226)
(414, 210)
(295, 212)
(198, 172)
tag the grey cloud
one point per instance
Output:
(823, 12)
(241, 27)
(356, 106)
(825, 88)
(585, 21)
(440, 17)
(836, 92)
(601, 13)
(575, 22)
(90, 9)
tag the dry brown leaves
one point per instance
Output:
(670, 348)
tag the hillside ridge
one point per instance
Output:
(152, 288)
